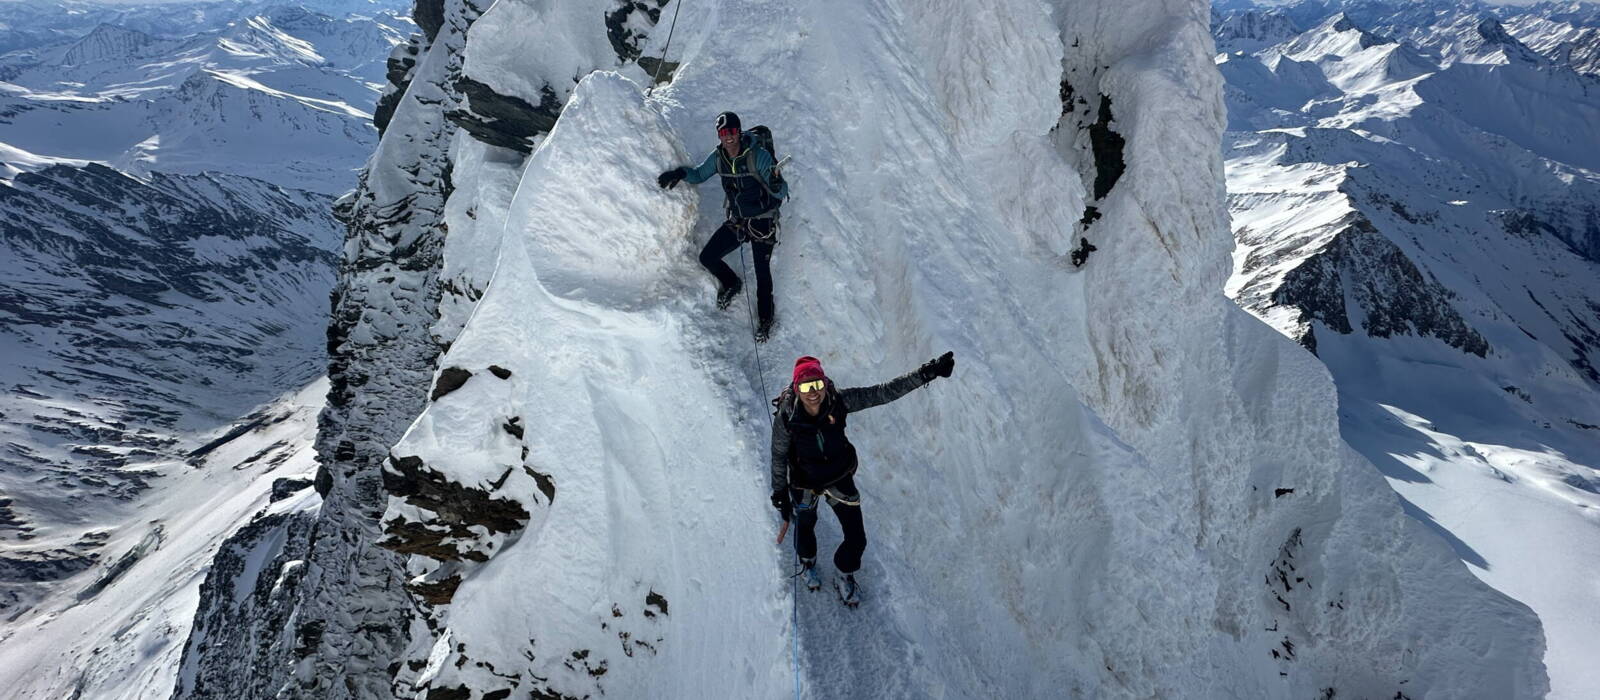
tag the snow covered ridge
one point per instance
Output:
(1130, 488)
(1409, 203)
(274, 91)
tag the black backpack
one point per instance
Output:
(763, 137)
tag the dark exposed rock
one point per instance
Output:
(323, 481)
(450, 379)
(435, 592)
(31, 566)
(506, 121)
(1396, 297)
(459, 692)
(499, 371)
(287, 486)
(1080, 254)
(660, 71)
(429, 16)
(243, 613)
(1107, 145)
(380, 379)
(546, 484)
(654, 599)
(399, 69)
(624, 41)
(514, 427)
(151, 541)
(1091, 214)
(455, 508)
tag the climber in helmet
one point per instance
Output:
(754, 190)
(812, 459)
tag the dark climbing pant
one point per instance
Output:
(727, 239)
(847, 558)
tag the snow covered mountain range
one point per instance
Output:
(540, 465)
(543, 458)
(278, 92)
(1415, 192)
(167, 246)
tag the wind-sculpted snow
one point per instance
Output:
(1129, 488)
(1431, 237)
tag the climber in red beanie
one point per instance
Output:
(811, 458)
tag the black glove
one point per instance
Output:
(670, 178)
(780, 500)
(941, 366)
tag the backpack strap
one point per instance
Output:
(784, 404)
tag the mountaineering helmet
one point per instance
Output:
(727, 120)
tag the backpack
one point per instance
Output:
(763, 137)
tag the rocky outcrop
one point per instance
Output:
(628, 25)
(1360, 266)
(402, 62)
(462, 522)
(506, 121)
(344, 624)
(247, 612)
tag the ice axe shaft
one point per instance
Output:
(784, 530)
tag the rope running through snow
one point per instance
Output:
(656, 79)
(794, 581)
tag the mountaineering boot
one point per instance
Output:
(726, 294)
(764, 330)
(809, 571)
(849, 594)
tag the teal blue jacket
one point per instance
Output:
(747, 179)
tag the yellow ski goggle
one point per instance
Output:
(808, 387)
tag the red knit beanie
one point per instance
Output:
(808, 368)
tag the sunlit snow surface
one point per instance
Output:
(122, 637)
(1466, 166)
(281, 93)
(1088, 508)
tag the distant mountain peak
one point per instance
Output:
(105, 42)
(1340, 23)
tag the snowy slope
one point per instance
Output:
(164, 333)
(1431, 238)
(1575, 45)
(148, 326)
(123, 591)
(280, 93)
(1129, 489)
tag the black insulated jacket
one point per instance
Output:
(812, 452)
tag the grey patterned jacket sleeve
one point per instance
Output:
(865, 397)
(780, 451)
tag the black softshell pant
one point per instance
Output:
(726, 240)
(847, 558)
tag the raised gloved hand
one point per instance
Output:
(941, 366)
(780, 500)
(670, 178)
